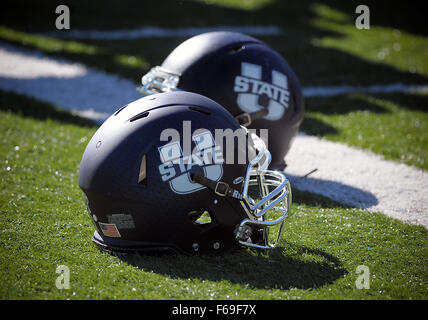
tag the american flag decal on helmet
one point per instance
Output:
(109, 230)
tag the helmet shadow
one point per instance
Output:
(279, 268)
(330, 194)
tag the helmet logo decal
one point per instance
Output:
(250, 87)
(175, 167)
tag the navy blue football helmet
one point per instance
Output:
(247, 77)
(175, 171)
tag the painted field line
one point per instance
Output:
(157, 32)
(330, 91)
(358, 178)
(90, 93)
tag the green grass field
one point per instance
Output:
(43, 220)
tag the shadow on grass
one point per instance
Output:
(329, 193)
(342, 104)
(357, 102)
(276, 269)
(301, 197)
(373, 102)
(409, 101)
(316, 127)
(28, 107)
(388, 13)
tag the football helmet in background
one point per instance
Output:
(169, 172)
(251, 80)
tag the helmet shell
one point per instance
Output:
(244, 75)
(133, 203)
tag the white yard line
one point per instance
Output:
(157, 32)
(378, 88)
(359, 178)
(347, 175)
(73, 86)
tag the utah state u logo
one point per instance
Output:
(175, 167)
(250, 87)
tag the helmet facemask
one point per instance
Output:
(273, 202)
(265, 198)
(159, 80)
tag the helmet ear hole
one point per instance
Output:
(205, 218)
(199, 217)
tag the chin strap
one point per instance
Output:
(245, 119)
(219, 187)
